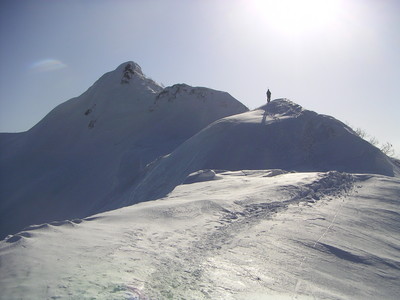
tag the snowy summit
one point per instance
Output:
(135, 191)
(279, 135)
(97, 145)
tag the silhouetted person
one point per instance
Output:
(268, 96)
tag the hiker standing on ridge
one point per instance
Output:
(268, 96)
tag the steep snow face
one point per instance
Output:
(96, 145)
(279, 135)
(265, 234)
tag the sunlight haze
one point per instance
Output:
(339, 58)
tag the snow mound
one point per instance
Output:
(282, 107)
(199, 176)
(279, 135)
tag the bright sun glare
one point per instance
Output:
(295, 16)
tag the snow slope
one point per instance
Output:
(279, 135)
(265, 234)
(93, 147)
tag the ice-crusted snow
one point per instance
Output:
(251, 234)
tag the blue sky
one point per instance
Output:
(339, 58)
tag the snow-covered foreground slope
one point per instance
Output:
(91, 148)
(231, 235)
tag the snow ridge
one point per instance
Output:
(282, 107)
(279, 135)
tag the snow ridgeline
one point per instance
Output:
(250, 234)
(278, 135)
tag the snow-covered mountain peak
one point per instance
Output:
(279, 135)
(130, 70)
(127, 77)
(188, 96)
(129, 65)
(181, 89)
(96, 145)
(282, 107)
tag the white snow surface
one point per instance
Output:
(249, 234)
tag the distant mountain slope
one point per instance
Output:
(96, 145)
(279, 135)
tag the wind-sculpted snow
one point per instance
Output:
(279, 135)
(202, 175)
(281, 108)
(90, 149)
(250, 234)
